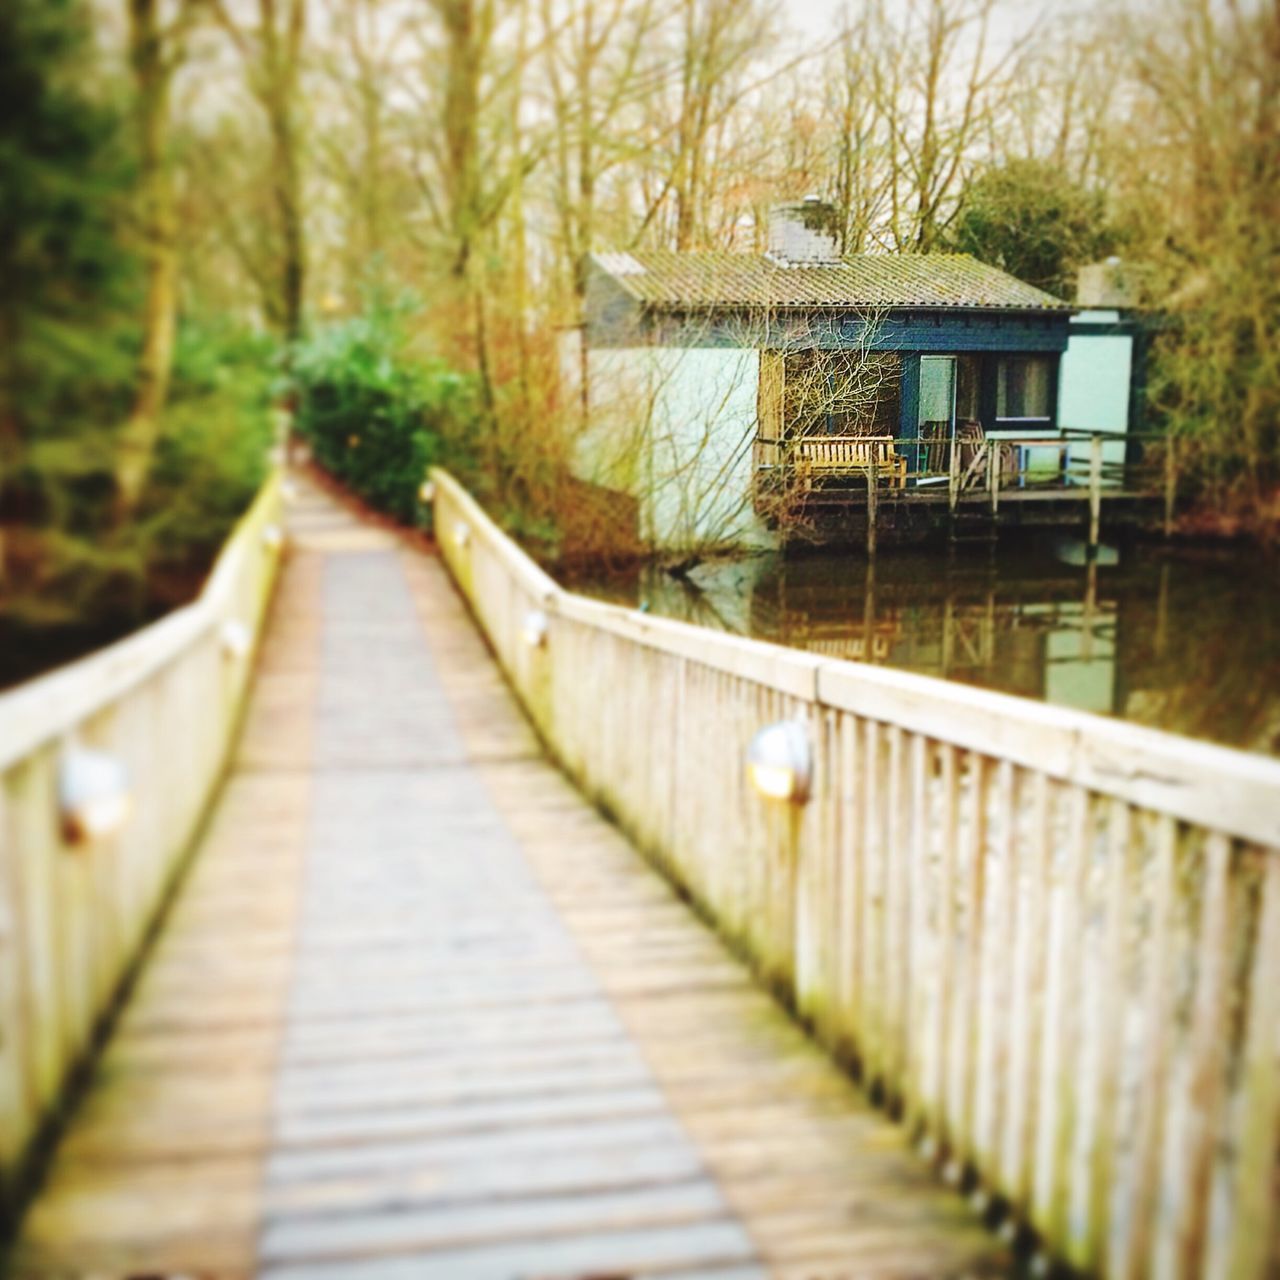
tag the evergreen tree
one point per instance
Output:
(65, 278)
(1030, 219)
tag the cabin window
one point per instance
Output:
(1024, 386)
(840, 393)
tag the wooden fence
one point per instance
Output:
(1050, 939)
(163, 703)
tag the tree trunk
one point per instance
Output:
(152, 78)
(281, 58)
(467, 31)
(288, 201)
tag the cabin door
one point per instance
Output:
(937, 419)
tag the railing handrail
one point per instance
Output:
(1225, 789)
(47, 706)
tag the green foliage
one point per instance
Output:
(376, 415)
(212, 454)
(68, 305)
(1215, 369)
(67, 286)
(1030, 219)
(66, 283)
(73, 567)
(70, 300)
(1215, 373)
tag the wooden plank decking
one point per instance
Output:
(420, 1012)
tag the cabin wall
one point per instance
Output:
(1095, 381)
(674, 428)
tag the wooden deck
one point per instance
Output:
(419, 1011)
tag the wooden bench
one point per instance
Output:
(848, 455)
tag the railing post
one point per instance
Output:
(993, 475)
(1095, 488)
(873, 476)
(1170, 483)
(953, 475)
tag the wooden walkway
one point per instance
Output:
(420, 1012)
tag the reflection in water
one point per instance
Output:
(1187, 641)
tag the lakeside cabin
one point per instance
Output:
(731, 397)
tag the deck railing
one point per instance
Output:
(1050, 939)
(157, 712)
(978, 466)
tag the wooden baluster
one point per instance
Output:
(994, 979)
(1202, 1105)
(970, 1004)
(1026, 1008)
(943, 952)
(1258, 1114)
(916, 875)
(850, 782)
(1110, 999)
(872, 906)
(897, 891)
(1060, 1083)
(1157, 1009)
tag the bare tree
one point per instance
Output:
(357, 151)
(1073, 82)
(938, 87)
(861, 172)
(714, 49)
(593, 55)
(272, 50)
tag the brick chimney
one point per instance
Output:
(802, 234)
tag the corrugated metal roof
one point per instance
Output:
(669, 279)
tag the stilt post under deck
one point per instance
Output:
(1095, 488)
(873, 480)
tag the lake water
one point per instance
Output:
(1182, 639)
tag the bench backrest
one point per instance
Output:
(845, 451)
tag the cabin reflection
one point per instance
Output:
(1047, 638)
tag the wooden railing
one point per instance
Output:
(1050, 939)
(163, 705)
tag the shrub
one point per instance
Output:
(211, 458)
(376, 415)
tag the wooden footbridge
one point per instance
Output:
(417, 1009)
